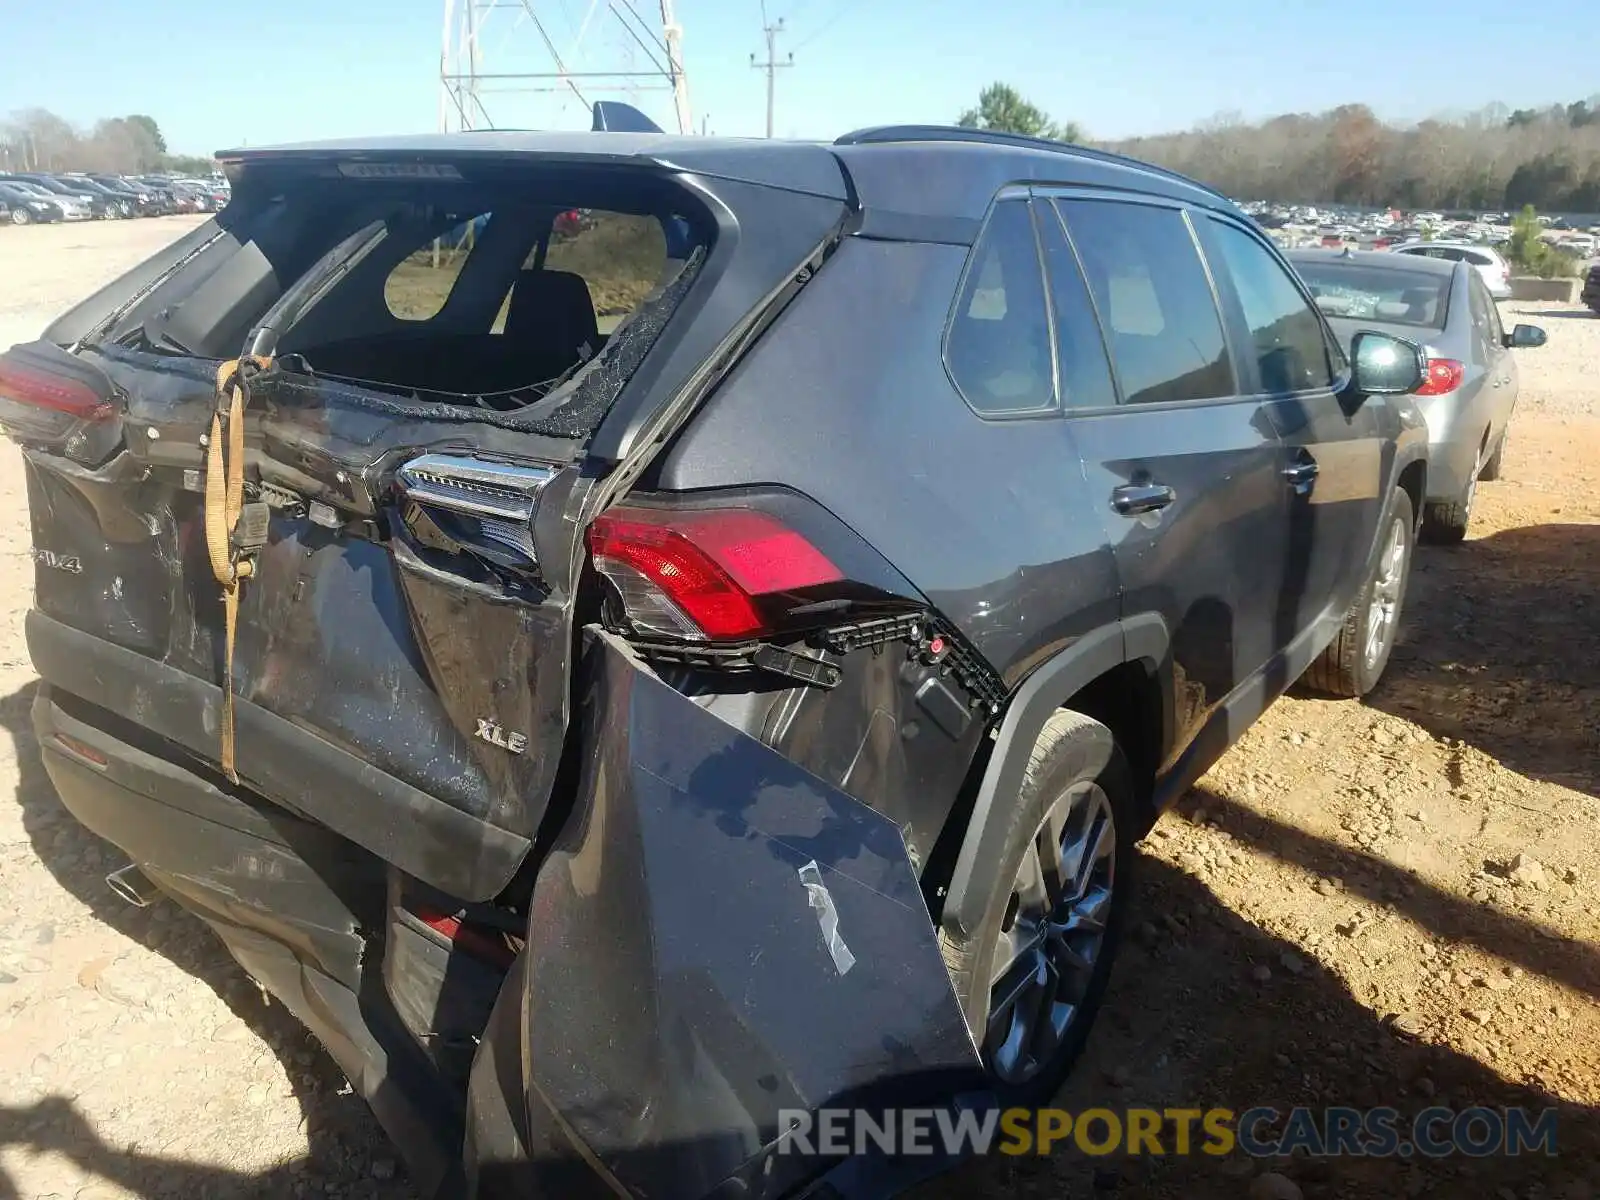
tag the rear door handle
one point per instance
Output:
(1132, 499)
(1302, 474)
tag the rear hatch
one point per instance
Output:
(470, 350)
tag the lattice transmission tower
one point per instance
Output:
(520, 64)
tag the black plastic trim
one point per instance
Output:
(1041, 694)
(415, 831)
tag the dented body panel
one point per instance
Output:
(690, 898)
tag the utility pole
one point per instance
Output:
(771, 65)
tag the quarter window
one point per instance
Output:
(1155, 301)
(1286, 335)
(998, 348)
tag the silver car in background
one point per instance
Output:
(1486, 261)
(1471, 386)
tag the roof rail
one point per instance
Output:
(888, 134)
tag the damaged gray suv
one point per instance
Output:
(630, 636)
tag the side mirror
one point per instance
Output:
(1384, 365)
(1525, 337)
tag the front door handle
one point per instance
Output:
(1131, 499)
(1301, 475)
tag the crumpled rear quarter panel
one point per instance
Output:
(680, 989)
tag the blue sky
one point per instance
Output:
(217, 75)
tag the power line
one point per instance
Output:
(833, 19)
(772, 65)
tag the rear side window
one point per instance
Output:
(621, 257)
(1286, 335)
(421, 283)
(1154, 298)
(998, 347)
(1485, 318)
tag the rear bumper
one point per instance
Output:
(1454, 437)
(282, 893)
(681, 990)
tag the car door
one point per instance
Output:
(1187, 469)
(1499, 364)
(1335, 467)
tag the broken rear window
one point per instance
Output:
(500, 295)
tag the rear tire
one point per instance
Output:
(1446, 524)
(1354, 661)
(21, 216)
(1057, 911)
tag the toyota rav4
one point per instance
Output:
(627, 636)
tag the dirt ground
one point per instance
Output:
(1388, 902)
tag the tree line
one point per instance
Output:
(1494, 159)
(36, 139)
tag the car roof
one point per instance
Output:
(921, 170)
(1377, 258)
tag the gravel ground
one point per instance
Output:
(1380, 902)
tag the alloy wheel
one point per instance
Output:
(1052, 935)
(1383, 613)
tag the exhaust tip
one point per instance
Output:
(131, 885)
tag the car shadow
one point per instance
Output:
(1506, 624)
(1558, 314)
(1208, 1010)
(344, 1140)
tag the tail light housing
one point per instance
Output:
(24, 385)
(1442, 375)
(706, 575)
(50, 398)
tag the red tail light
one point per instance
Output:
(40, 389)
(701, 575)
(1443, 375)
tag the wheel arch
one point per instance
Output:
(1112, 675)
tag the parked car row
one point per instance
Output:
(37, 197)
(636, 748)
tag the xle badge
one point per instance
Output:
(496, 736)
(58, 562)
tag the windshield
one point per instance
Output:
(1392, 295)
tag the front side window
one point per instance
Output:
(1154, 299)
(1286, 334)
(998, 347)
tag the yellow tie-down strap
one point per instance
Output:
(224, 501)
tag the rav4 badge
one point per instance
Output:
(59, 562)
(496, 736)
